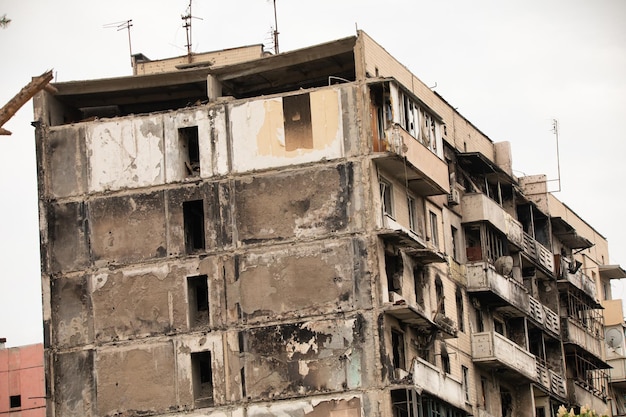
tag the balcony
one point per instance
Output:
(415, 316)
(567, 273)
(572, 331)
(479, 207)
(497, 290)
(411, 243)
(538, 253)
(551, 381)
(545, 317)
(413, 163)
(618, 371)
(431, 379)
(494, 350)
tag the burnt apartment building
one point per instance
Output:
(314, 233)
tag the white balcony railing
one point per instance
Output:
(544, 316)
(579, 335)
(493, 348)
(538, 252)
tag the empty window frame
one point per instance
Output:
(460, 310)
(202, 376)
(465, 382)
(15, 401)
(454, 233)
(441, 305)
(445, 362)
(394, 269)
(188, 139)
(397, 345)
(193, 214)
(198, 299)
(405, 403)
(386, 199)
(410, 201)
(297, 118)
(434, 229)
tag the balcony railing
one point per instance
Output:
(537, 252)
(479, 207)
(576, 333)
(491, 348)
(410, 242)
(545, 316)
(436, 382)
(551, 381)
(482, 278)
(576, 277)
(413, 163)
(618, 371)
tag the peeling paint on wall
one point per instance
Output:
(305, 137)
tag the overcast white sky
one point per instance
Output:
(510, 67)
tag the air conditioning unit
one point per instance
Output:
(454, 197)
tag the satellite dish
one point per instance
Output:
(504, 265)
(614, 338)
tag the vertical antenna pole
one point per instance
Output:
(555, 129)
(187, 25)
(129, 23)
(275, 30)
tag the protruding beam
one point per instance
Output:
(25, 94)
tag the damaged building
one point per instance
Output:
(314, 233)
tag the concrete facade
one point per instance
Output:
(313, 234)
(22, 388)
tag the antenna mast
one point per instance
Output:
(126, 24)
(275, 30)
(555, 129)
(187, 25)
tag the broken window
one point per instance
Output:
(193, 214)
(484, 392)
(412, 214)
(405, 403)
(480, 323)
(297, 120)
(506, 402)
(498, 327)
(188, 138)
(15, 401)
(394, 268)
(434, 229)
(465, 382)
(460, 314)
(454, 233)
(198, 298)
(419, 282)
(441, 305)
(397, 345)
(445, 362)
(386, 197)
(202, 376)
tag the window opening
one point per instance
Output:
(434, 231)
(445, 362)
(483, 392)
(441, 305)
(394, 268)
(405, 403)
(480, 323)
(506, 401)
(193, 214)
(465, 381)
(397, 343)
(297, 122)
(15, 401)
(498, 327)
(455, 242)
(385, 197)
(188, 137)
(198, 298)
(202, 375)
(460, 314)
(412, 214)
(419, 283)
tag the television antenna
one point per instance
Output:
(187, 18)
(275, 30)
(125, 24)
